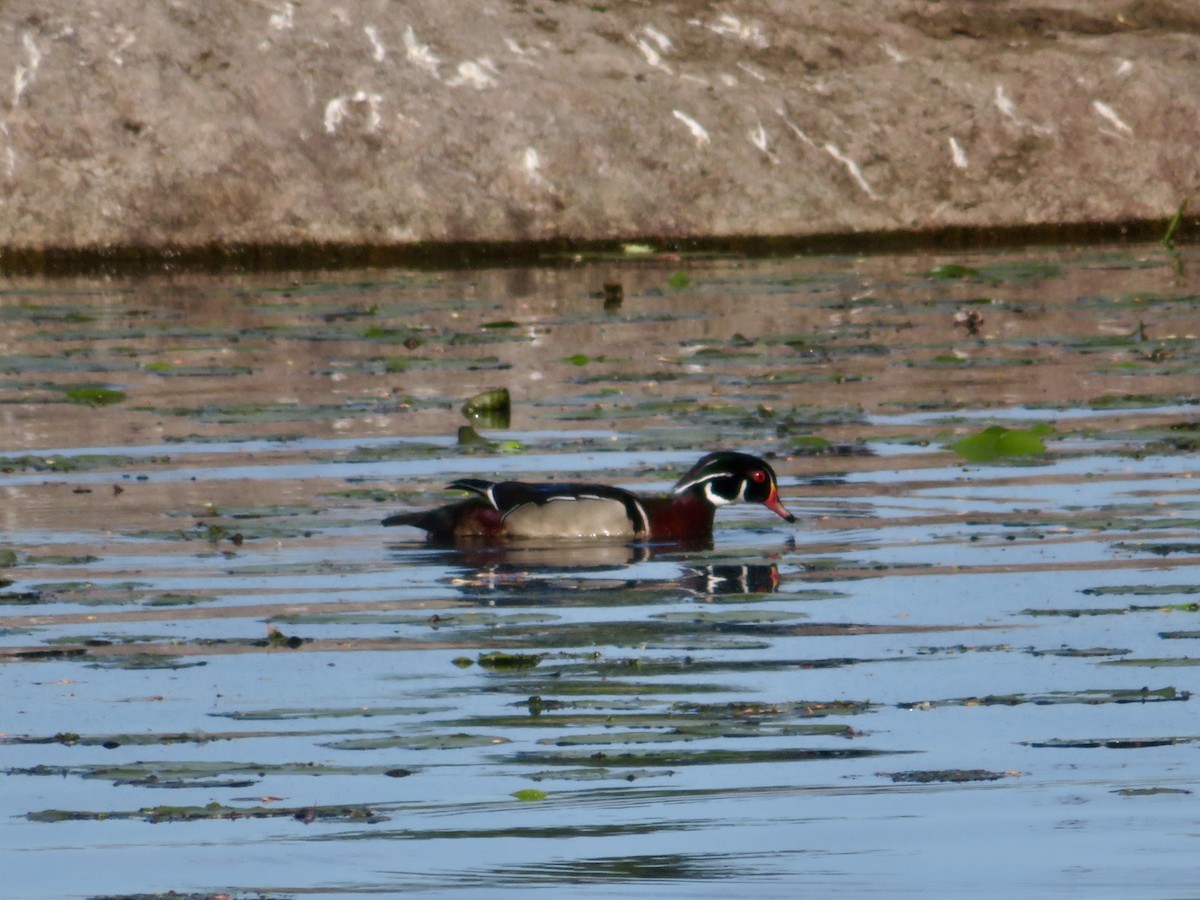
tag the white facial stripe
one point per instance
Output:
(687, 485)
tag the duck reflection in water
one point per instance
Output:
(566, 573)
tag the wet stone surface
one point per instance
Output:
(221, 674)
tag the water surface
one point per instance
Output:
(222, 675)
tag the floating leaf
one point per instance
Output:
(530, 795)
(457, 741)
(92, 395)
(509, 661)
(997, 442)
(1149, 792)
(952, 270)
(632, 249)
(951, 776)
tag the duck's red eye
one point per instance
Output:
(758, 475)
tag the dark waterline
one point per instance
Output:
(118, 261)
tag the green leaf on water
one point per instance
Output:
(1149, 792)
(952, 270)
(998, 442)
(577, 359)
(632, 249)
(945, 776)
(530, 795)
(458, 741)
(679, 280)
(93, 395)
(509, 662)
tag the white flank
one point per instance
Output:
(581, 517)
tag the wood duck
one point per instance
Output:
(516, 509)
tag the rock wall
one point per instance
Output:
(158, 124)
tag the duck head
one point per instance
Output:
(729, 477)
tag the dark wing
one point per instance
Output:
(476, 485)
(441, 523)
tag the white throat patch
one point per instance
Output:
(717, 499)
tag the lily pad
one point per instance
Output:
(998, 442)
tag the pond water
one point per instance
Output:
(959, 671)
